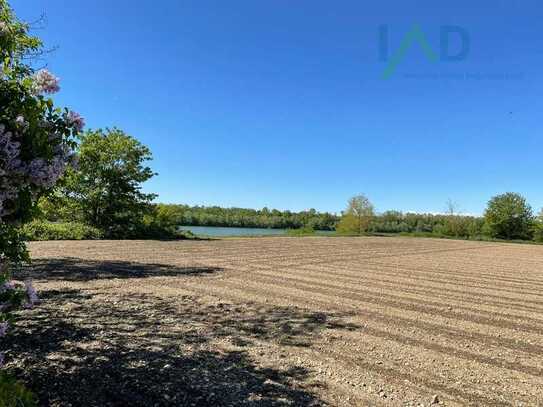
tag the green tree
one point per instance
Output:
(357, 217)
(509, 216)
(106, 188)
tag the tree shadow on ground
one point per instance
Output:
(74, 269)
(95, 349)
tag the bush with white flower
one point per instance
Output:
(36, 146)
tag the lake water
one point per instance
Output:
(213, 231)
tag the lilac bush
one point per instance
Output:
(36, 147)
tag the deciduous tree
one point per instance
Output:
(509, 216)
(106, 188)
(357, 217)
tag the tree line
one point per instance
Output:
(507, 216)
(103, 197)
(248, 218)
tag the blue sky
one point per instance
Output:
(282, 104)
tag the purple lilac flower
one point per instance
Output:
(8, 147)
(10, 177)
(39, 173)
(75, 121)
(7, 286)
(46, 82)
(44, 174)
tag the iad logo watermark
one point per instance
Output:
(416, 36)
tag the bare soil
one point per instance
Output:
(283, 321)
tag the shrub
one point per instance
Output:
(538, 234)
(160, 222)
(348, 225)
(151, 230)
(440, 230)
(42, 230)
(476, 228)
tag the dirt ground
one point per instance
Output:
(283, 321)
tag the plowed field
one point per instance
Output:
(284, 321)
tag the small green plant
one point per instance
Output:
(14, 393)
